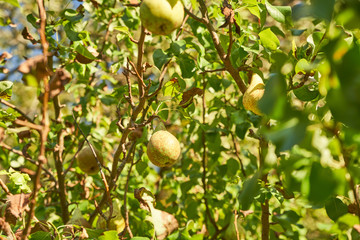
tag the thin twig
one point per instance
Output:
(107, 190)
(265, 211)
(213, 70)
(238, 156)
(236, 226)
(6, 103)
(204, 162)
(20, 153)
(5, 188)
(127, 227)
(220, 50)
(28, 124)
(58, 156)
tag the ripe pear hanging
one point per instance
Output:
(253, 94)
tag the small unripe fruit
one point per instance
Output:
(253, 94)
(87, 161)
(161, 16)
(163, 149)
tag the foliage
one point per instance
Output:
(95, 76)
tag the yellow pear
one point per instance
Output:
(161, 16)
(253, 94)
(87, 161)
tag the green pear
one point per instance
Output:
(161, 16)
(87, 161)
(253, 94)
(163, 149)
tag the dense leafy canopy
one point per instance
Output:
(87, 73)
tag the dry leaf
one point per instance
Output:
(187, 97)
(145, 197)
(35, 66)
(164, 223)
(58, 81)
(357, 227)
(246, 212)
(26, 35)
(16, 205)
(229, 14)
(84, 234)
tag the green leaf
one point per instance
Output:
(6, 89)
(140, 238)
(109, 235)
(187, 66)
(71, 33)
(83, 51)
(241, 129)
(269, 40)
(252, 6)
(305, 94)
(303, 66)
(160, 58)
(322, 183)
(232, 167)
(322, 9)
(287, 134)
(177, 47)
(40, 235)
(72, 15)
(33, 20)
(15, 3)
(335, 208)
(250, 190)
(344, 99)
(275, 12)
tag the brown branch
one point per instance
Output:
(44, 122)
(236, 226)
(130, 97)
(29, 125)
(213, 70)
(16, 109)
(115, 170)
(238, 156)
(265, 211)
(4, 187)
(193, 16)
(131, 159)
(58, 156)
(20, 153)
(231, 41)
(204, 163)
(223, 56)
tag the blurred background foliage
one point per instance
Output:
(308, 54)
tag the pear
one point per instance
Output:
(253, 94)
(161, 16)
(87, 161)
(163, 149)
